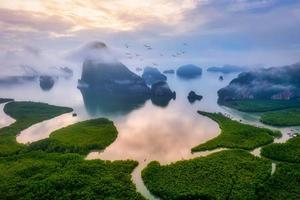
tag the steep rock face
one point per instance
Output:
(189, 71)
(280, 83)
(152, 75)
(161, 93)
(112, 78)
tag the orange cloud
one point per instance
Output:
(119, 15)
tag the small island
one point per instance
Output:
(161, 94)
(82, 137)
(46, 82)
(189, 71)
(192, 97)
(226, 69)
(169, 71)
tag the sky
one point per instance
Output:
(44, 33)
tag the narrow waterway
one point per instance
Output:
(146, 132)
(5, 120)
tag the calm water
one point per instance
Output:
(146, 131)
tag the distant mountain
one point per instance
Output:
(227, 69)
(276, 83)
(14, 80)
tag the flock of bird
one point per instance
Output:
(148, 47)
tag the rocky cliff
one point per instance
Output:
(280, 83)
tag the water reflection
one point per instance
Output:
(96, 102)
(161, 101)
(153, 133)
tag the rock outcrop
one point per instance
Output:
(114, 78)
(46, 82)
(280, 83)
(161, 93)
(192, 97)
(152, 75)
(189, 71)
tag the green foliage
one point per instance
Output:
(29, 173)
(288, 117)
(82, 137)
(284, 184)
(33, 112)
(43, 176)
(289, 151)
(236, 135)
(254, 105)
(230, 174)
(26, 114)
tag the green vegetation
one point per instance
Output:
(28, 173)
(236, 135)
(284, 184)
(275, 112)
(288, 117)
(4, 100)
(26, 114)
(289, 151)
(44, 176)
(254, 105)
(95, 134)
(230, 174)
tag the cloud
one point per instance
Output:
(114, 14)
(33, 21)
(96, 51)
(218, 31)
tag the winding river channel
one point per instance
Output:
(147, 132)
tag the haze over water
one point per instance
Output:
(146, 131)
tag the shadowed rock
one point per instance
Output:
(46, 82)
(192, 97)
(161, 94)
(152, 75)
(276, 83)
(189, 71)
(112, 78)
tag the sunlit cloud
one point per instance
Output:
(114, 14)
